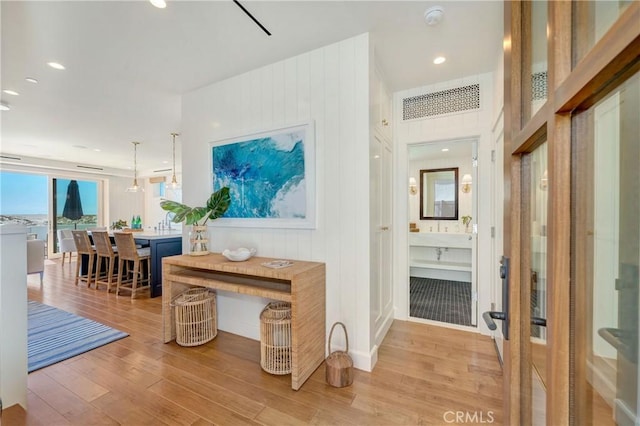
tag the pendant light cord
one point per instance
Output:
(174, 180)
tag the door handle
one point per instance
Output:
(621, 341)
(489, 317)
(542, 322)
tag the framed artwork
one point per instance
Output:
(271, 177)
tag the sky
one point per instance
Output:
(22, 193)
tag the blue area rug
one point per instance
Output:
(55, 335)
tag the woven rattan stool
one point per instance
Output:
(195, 311)
(275, 338)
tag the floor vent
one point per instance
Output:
(458, 99)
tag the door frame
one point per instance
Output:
(601, 70)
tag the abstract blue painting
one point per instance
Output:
(269, 177)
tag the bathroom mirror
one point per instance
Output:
(439, 194)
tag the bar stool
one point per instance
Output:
(128, 252)
(105, 251)
(83, 247)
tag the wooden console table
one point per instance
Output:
(302, 284)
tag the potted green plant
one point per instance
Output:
(466, 220)
(197, 217)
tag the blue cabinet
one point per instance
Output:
(160, 247)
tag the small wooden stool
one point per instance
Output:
(128, 252)
(83, 247)
(105, 251)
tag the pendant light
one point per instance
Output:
(135, 187)
(174, 181)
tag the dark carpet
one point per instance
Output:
(440, 300)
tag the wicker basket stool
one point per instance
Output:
(275, 338)
(195, 311)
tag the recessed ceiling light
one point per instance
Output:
(31, 80)
(4, 107)
(97, 149)
(165, 162)
(160, 4)
(11, 92)
(55, 65)
(439, 60)
(445, 149)
(79, 146)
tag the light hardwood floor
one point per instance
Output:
(423, 374)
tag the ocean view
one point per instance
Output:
(39, 223)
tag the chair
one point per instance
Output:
(105, 251)
(84, 247)
(128, 252)
(65, 242)
(35, 258)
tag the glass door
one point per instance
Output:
(534, 277)
(606, 243)
(75, 204)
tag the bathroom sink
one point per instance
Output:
(441, 239)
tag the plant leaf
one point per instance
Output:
(195, 214)
(218, 203)
(180, 210)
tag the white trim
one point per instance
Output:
(444, 324)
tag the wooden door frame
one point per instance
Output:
(603, 67)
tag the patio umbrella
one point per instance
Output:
(73, 205)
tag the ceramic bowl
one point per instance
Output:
(239, 254)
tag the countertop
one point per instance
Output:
(158, 235)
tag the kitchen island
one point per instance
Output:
(162, 244)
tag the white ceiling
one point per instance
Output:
(127, 63)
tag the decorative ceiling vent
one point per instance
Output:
(463, 98)
(89, 167)
(8, 157)
(539, 86)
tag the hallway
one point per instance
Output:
(424, 375)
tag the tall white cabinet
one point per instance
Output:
(381, 192)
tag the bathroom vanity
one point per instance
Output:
(442, 255)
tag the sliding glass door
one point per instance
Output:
(75, 204)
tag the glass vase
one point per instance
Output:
(198, 241)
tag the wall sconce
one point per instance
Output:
(465, 184)
(413, 186)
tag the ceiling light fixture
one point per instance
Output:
(56, 65)
(160, 4)
(31, 80)
(439, 60)
(135, 187)
(433, 15)
(445, 149)
(11, 92)
(174, 182)
(4, 106)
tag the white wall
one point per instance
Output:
(467, 125)
(13, 315)
(497, 189)
(330, 86)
